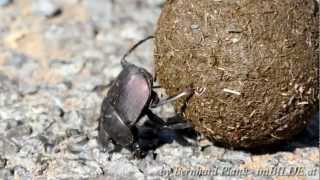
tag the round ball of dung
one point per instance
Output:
(253, 64)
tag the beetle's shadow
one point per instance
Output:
(309, 137)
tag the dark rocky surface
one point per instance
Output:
(52, 59)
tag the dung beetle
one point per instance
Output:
(130, 97)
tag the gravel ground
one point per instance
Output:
(54, 55)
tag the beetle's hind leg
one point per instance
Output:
(175, 128)
(174, 123)
(187, 92)
(178, 123)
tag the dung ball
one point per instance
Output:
(253, 64)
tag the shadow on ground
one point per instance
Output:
(309, 137)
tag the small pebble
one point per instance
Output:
(6, 173)
(3, 162)
(25, 88)
(46, 8)
(22, 173)
(16, 59)
(7, 148)
(19, 131)
(5, 2)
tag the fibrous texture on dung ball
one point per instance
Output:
(256, 63)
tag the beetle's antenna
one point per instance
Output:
(123, 59)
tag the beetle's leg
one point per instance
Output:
(123, 60)
(175, 122)
(156, 87)
(179, 126)
(154, 99)
(178, 123)
(154, 119)
(146, 141)
(186, 92)
(102, 87)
